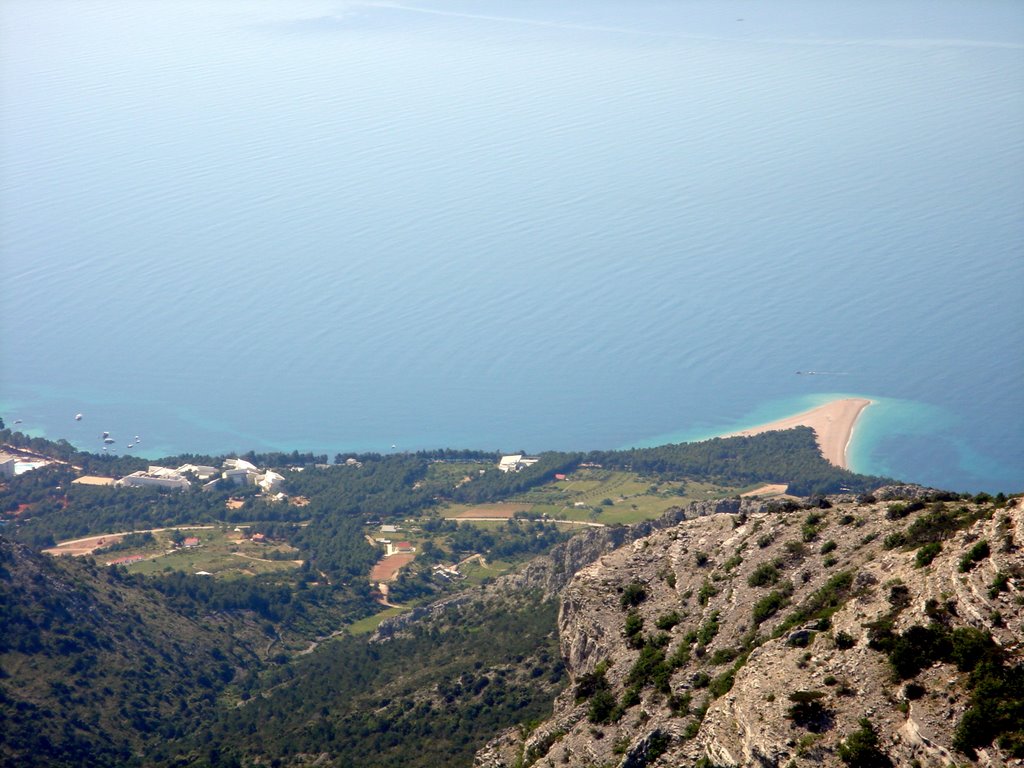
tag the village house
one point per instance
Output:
(448, 572)
(402, 547)
(126, 560)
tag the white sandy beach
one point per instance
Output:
(833, 423)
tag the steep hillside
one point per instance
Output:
(429, 696)
(867, 634)
(92, 669)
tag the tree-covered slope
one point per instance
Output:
(430, 696)
(95, 671)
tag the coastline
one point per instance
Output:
(833, 424)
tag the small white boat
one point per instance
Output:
(78, 417)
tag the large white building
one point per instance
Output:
(242, 472)
(270, 481)
(201, 471)
(238, 471)
(516, 462)
(158, 477)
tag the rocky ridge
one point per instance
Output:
(765, 637)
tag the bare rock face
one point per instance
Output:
(903, 492)
(765, 639)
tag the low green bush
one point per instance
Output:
(974, 555)
(927, 553)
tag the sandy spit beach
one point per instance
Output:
(833, 423)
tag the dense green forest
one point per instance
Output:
(790, 456)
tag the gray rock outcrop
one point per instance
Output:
(763, 624)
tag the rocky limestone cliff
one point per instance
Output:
(764, 638)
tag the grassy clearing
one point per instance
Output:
(476, 573)
(453, 473)
(216, 562)
(221, 552)
(370, 623)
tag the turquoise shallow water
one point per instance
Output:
(347, 226)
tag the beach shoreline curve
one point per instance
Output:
(833, 424)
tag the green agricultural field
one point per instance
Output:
(585, 496)
(593, 485)
(486, 524)
(633, 499)
(499, 510)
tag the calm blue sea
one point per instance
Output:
(515, 225)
